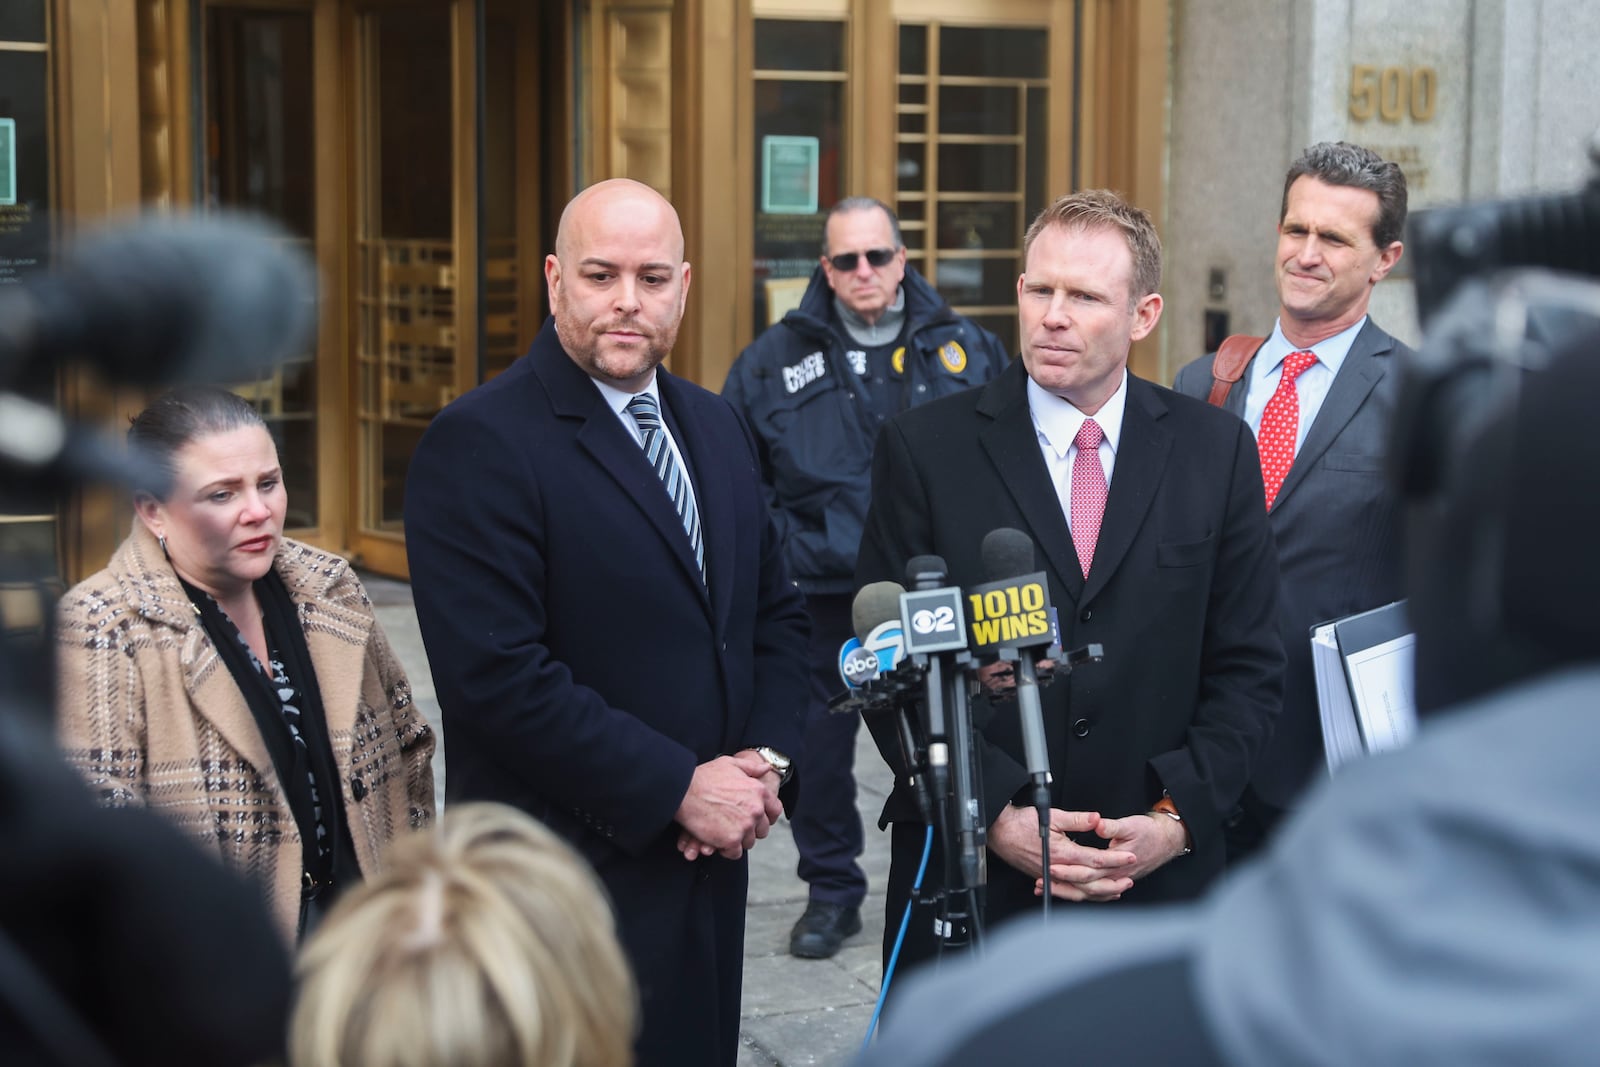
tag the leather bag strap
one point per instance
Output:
(1232, 358)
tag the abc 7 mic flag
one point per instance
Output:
(861, 663)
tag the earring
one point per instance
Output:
(162, 541)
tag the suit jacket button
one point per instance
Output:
(358, 788)
(1085, 615)
(1081, 728)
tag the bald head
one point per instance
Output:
(616, 195)
(618, 282)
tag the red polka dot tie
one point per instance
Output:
(1088, 492)
(1280, 424)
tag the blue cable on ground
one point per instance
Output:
(899, 940)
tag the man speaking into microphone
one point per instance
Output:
(1148, 512)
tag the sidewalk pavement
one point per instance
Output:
(796, 1012)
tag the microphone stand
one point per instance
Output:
(1036, 754)
(964, 813)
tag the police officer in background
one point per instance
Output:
(870, 338)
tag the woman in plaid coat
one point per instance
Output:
(236, 681)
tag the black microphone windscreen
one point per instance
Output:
(215, 298)
(1006, 553)
(876, 604)
(927, 571)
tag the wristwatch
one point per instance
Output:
(1166, 807)
(777, 761)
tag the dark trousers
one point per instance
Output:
(826, 824)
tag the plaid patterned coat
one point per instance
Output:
(149, 714)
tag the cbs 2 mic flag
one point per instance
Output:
(933, 621)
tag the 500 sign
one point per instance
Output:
(1393, 93)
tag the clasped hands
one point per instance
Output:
(1135, 846)
(732, 802)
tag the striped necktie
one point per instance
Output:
(647, 415)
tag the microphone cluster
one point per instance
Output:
(885, 665)
(916, 656)
(916, 653)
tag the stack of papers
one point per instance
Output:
(1366, 687)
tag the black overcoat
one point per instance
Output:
(1182, 595)
(583, 667)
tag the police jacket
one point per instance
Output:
(815, 426)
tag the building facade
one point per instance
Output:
(421, 150)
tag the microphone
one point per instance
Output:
(871, 665)
(1010, 614)
(867, 660)
(37, 443)
(936, 637)
(932, 617)
(217, 298)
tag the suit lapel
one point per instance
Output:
(1013, 447)
(1141, 459)
(602, 436)
(1363, 367)
(1241, 389)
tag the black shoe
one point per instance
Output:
(822, 929)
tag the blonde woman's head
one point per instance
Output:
(485, 941)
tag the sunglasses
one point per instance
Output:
(845, 262)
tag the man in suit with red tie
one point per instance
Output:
(1320, 394)
(1146, 510)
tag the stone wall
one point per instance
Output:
(1474, 98)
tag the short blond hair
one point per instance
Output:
(486, 941)
(1102, 209)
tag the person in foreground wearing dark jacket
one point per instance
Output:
(870, 338)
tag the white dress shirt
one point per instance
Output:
(1311, 387)
(1056, 423)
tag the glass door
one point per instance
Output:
(970, 159)
(410, 324)
(957, 113)
(798, 102)
(257, 154)
(30, 578)
(445, 280)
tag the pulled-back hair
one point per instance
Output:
(861, 203)
(183, 416)
(486, 942)
(1102, 209)
(1343, 163)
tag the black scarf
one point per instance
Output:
(286, 638)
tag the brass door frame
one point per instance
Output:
(384, 550)
(94, 82)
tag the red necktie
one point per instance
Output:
(1280, 425)
(1088, 492)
